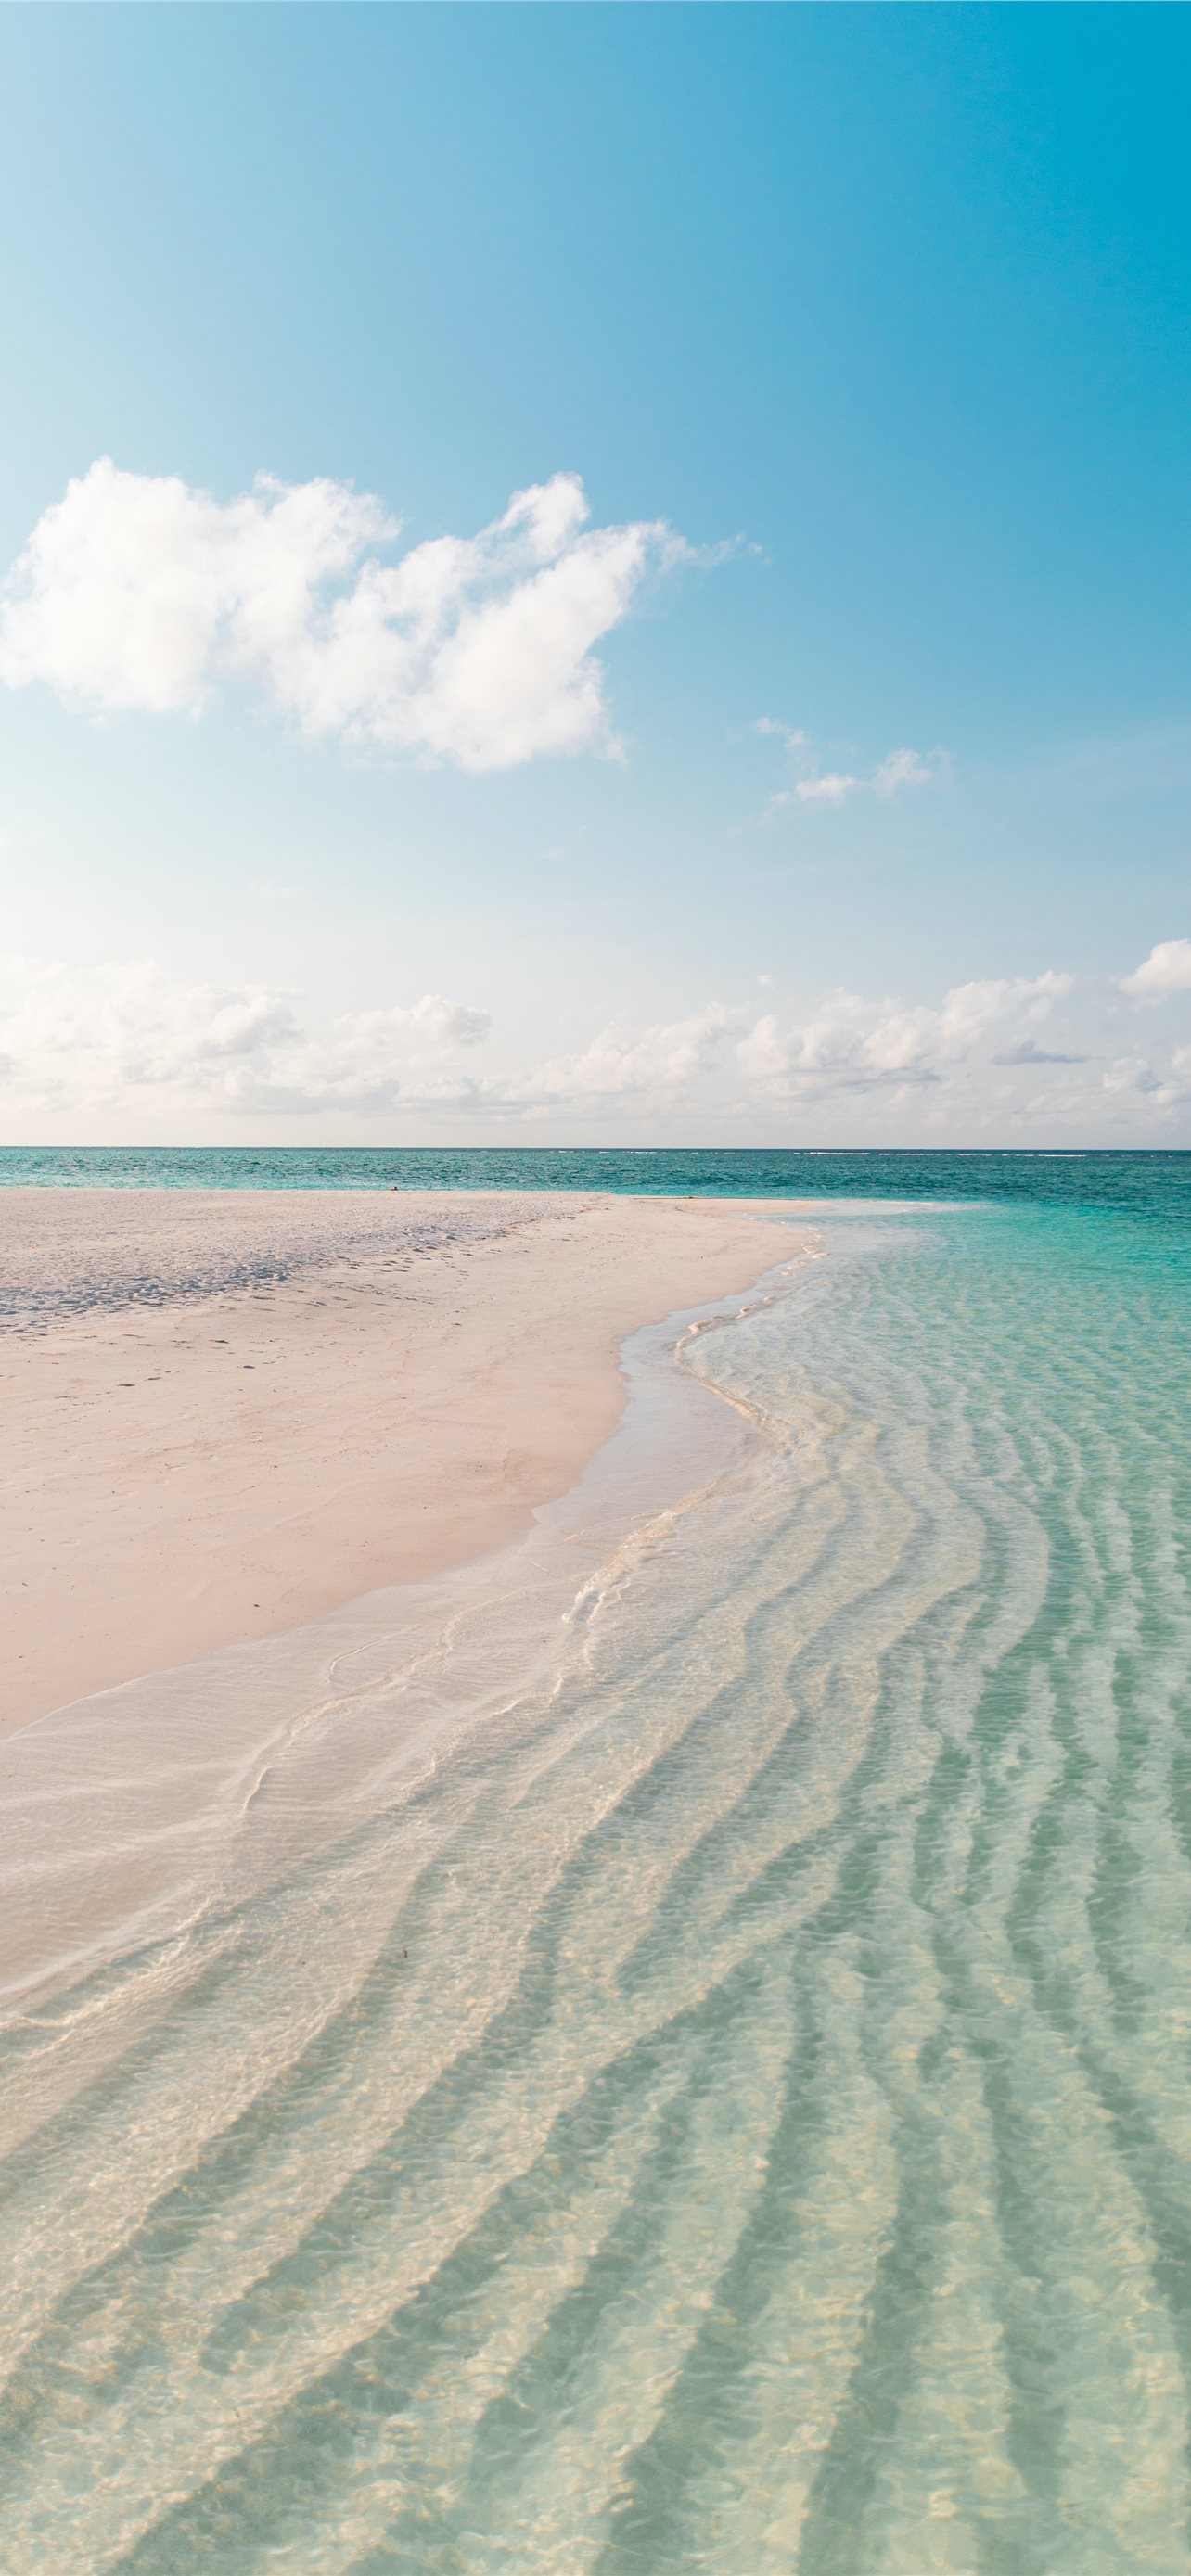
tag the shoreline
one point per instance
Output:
(176, 1799)
(233, 1413)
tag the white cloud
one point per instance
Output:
(656, 1063)
(116, 1039)
(903, 769)
(833, 788)
(1128, 1073)
(111, 1038)
(127, 1046)
(850, 1041)
(436, 1022)
(1166, 970)
(137, 591)
(813, 785)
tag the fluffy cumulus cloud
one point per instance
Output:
(1166, 970)
(994, 1060)
(125, 1040)
(850, 1042)
(813, 784)
(128, 1040)
(656, 1063)
(137, 591)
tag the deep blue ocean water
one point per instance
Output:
(726, 2111)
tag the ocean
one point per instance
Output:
(1060, 1178)
(668, 2051)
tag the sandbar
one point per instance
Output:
(227, 1412)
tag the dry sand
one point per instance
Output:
(227, 1412)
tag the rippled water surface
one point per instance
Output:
(1106, 1178)
(732, 2112)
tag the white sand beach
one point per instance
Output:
(228, 1412)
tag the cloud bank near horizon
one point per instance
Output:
(126, 1041)
(141, 593)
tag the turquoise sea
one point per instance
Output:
(1107, 1177)
(669, 2053)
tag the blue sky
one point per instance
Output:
(871, 322)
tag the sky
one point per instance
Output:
(607, 574)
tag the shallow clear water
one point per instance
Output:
(726, 2106)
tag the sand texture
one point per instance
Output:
(227, 1412)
